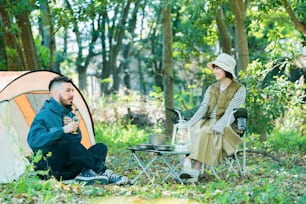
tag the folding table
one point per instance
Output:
(163, 156)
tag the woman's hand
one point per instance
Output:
(216, 132)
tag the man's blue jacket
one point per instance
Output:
(47, 127)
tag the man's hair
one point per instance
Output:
(59, 80)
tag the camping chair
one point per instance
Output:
(239, 126)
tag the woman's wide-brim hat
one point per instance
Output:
(225, 62)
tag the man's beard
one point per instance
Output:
(63, 102)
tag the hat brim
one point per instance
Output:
(222, 66)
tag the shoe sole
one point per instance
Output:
(185, 176)
(121, 182)
(93, 181)
(90, 181)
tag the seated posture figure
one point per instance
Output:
(211, 139)
(58, 138)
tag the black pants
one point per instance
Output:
(68, 157)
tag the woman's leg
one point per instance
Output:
(197, 165)
(187, 163)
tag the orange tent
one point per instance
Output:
(25, 92)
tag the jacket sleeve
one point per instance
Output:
(41, 134)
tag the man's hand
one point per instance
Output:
(67, 120)
(69, 125)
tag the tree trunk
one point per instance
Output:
(28, 45)
(225, 39)
(82, 77)
(105, 69)
(60, 56)
(299, 25)
(142, 85)
(126, 50)
(14, 58)
(82, 62)
(115, 31)
(116, 49)
(156, 62)
(239, 9)
(46, 27)
(3, 64)
(167, 67)
(106, 72)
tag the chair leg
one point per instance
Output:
(230, 163)
(238, 164)
(244, 155)
(212, 169)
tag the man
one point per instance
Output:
(58, 138)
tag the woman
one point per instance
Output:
(211, 138)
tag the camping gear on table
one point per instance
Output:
(145, 146)
(156, 139)
(181, 134)
(164, 147)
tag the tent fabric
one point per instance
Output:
(13, 162)
(22, 94)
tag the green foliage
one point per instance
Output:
(117, 136)
(43, 55)
(265, 105)
(190, 97)
(30, 187)
(11, 55)
(157, 94)
(287, 141)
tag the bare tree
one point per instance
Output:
(116, 29)
(82, 61)
(167, 66)
(127, 47)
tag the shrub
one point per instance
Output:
(288, 141)
(266, 105)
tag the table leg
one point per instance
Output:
(143, 167)
(171, 170)
(170, 174)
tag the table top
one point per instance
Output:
(159, 151)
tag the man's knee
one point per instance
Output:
(99, 148)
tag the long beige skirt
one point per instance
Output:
(210, 148)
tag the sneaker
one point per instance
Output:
(190, 174)
(89, 177)
(115, 178)
(186, 173)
